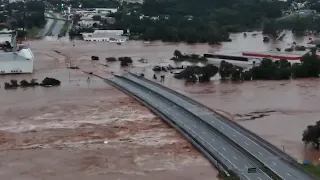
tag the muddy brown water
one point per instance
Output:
(70, 122)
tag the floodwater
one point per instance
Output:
(91, 130)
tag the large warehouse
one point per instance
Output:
(19, 60)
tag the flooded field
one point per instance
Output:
(90, 130)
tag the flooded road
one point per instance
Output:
(91, 130)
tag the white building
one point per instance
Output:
(105, 35)
(20, 60)
(116, 32)
(12, 63)
(5, 37)
(12, 1)
(92, 11)
(105, 11)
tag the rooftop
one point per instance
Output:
(103, 35)
(276, 53)
(10, 56)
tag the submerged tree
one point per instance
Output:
(312, 135)
(309, 67)
(177, 54)
(196, 73)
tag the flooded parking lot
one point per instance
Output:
(91, 130)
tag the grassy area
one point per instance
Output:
(312, 169)
(33, 31)
(65, 28)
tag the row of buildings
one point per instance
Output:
(87, 20)
(105, 35)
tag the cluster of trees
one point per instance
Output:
(312, 135)
(24, 14)
(202, 20)
(76, 31)
(24, 83)
(178, 56)
(193, 20)
(267, 70)
(299, 25)
(196, 73)
(125, 61)
(275, 70)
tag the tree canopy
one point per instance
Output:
(193, 20)
(24, 14)
(266, 70)
(311, 135)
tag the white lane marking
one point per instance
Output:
(222, 127)
(235, 157)
(260, 153)
(213, 140)
(246, 143)
(224, 149)
(227, 159)
(234, 135)
(246, 167)
(274, 163)
(288, 174)
(203, 133)
(259, 178)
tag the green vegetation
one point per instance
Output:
(23, 14)
(300, 25)
(311, 135)
(194, 58)
(274, 70)
(267, 70)
(47, 82)
(196, 73)
(312, 169)
(192, 21)
(65, 28)
(33, 31)
(27, 16)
